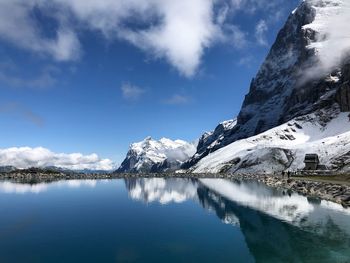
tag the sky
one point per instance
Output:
(80, 80)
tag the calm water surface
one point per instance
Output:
(167, 220)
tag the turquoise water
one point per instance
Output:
(167, 220)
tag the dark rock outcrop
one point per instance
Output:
(211, 141)
(343, 92)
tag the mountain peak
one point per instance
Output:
(148, 138)
(156, 156)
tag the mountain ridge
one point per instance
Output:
(150, 155)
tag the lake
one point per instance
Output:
(167, 220)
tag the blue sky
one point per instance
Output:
(93, 77)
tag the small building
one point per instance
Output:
(312, 162)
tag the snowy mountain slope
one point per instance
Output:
(156, 156)
(283, 89)
(210, 140)
(285, 146)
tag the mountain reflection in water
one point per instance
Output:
(262, 223)
(162, 190)
(278, 227)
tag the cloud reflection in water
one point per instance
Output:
(17, 188)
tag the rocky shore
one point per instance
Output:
(324, 190)
(43, 177)
(334, 192)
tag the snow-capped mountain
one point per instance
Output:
(326, 133)
(295, 79)
(210, 141)
(157, 156)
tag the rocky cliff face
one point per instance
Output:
(281, 89)
(209, 141)
(342, 96)
(154, 156)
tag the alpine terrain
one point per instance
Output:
(296, 104)
(157, 156)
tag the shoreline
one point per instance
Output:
(312, 187)
(323, 188)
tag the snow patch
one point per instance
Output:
(142, 156)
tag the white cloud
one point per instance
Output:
(177, 31)
(18, 27)
(131, 92)
(273, 11)
(222, 14)
(260, 32)
(235, 36)
(25, 157)
(187, 28)
(177, 99)
(332, 43)
(18, 188)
